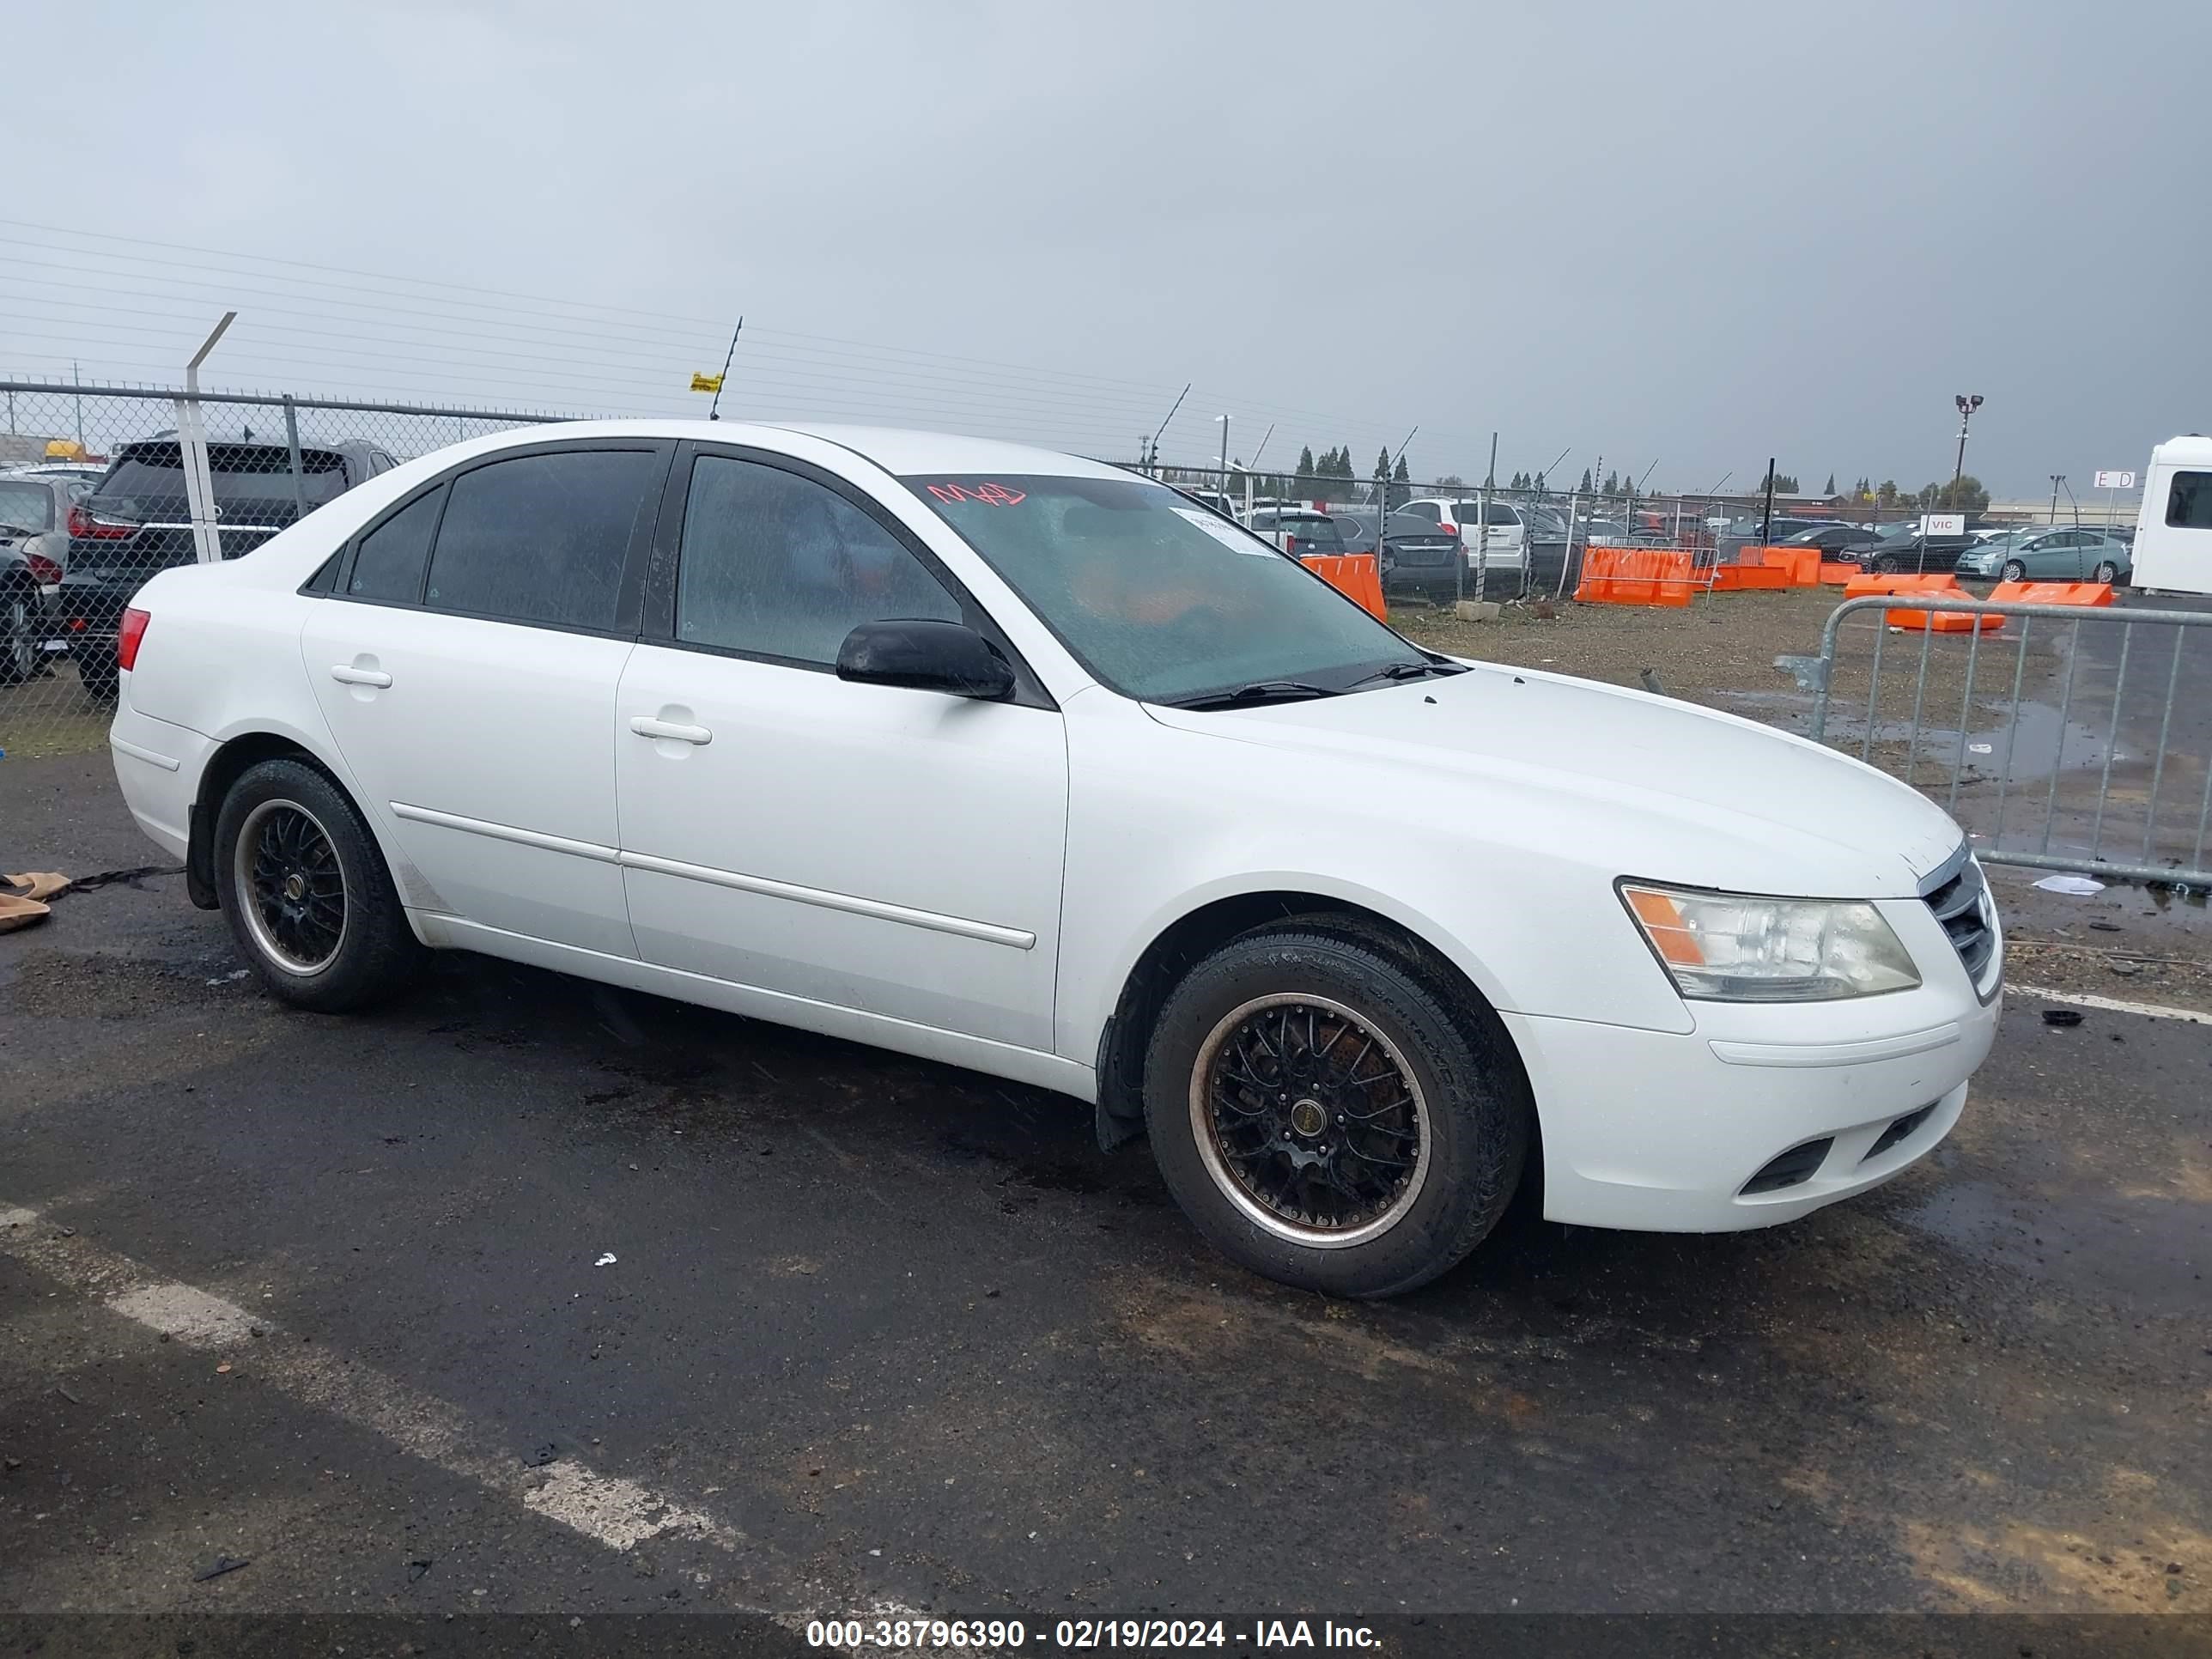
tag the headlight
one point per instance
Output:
(1725, 947)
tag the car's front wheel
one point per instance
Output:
(306, 891)
(2014, 571)
(1330, 1116)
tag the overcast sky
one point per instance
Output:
(1693, 235)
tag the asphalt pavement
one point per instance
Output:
(524, 1295)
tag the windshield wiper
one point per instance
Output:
(1259, 691)
(1411, 671)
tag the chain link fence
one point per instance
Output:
(1536, 535)
(97, 495)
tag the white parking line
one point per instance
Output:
(609, 1509)
(2112, 1005)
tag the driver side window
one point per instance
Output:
(775, 565)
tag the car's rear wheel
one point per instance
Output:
(2107, 571)
(19, 634)
(2014, 571)
(306, 891)
(1331, 1117)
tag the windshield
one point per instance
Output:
(1161, 600)
(26, 506)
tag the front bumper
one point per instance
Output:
(1664, 1132)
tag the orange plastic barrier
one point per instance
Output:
(1741, 578)
(1352, 574)
(1836, 574)
(1942, 622)
(1639, 575)
(1860, 587)
(2089, 593)
(1803, 564)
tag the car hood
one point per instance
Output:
(1680, 793)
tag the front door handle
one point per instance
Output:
(346, 674)
(645, 726)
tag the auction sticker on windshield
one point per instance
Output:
(1227, 534)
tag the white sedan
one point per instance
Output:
(1003, 758)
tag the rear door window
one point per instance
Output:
(543, 538)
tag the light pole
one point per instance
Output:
(1967, 404)
(2057, 479)
(1224, 419)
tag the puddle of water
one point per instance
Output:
(2147, 1254)
(2033, 735)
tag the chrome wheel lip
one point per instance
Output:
(244, 886)
(1247, 1206)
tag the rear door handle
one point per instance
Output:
(645, 726)
(346, 674)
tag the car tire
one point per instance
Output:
(307, 892)
(1332, 1187)
(1885, 566)
(2107, 571)
(2013, 571)
(20, 614)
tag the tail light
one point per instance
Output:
(127, 641)
(1448, 527)
(43, 570)
(83, 524)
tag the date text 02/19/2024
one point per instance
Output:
(996, 1635)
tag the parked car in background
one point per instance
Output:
(1508, 535)
(1903, 550)
(1297, 530)
(1014, 761)
(35, 508)
(2040, 553)
(1739, 533)
(136, 521)
(1417, 554)
(83, 471)
(1212, 498)
(1830, 538)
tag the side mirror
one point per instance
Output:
(926, 656)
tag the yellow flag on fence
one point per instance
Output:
(706, 383)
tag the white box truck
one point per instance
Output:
(2173, 528)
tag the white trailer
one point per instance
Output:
(2173, 528)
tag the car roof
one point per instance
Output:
(899, 450)
(903, 450)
